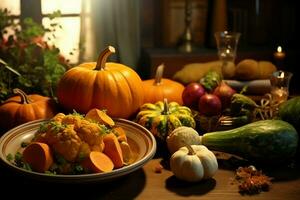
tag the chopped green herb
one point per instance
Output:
(81, 156)
(26, 166)
(77, 114)
(9, 157)
(50, 172)
(56, 126)
(60, 160)
(43, 127)
(78, 169)
(54, 168)
(24, 144)
(103, 129)
(18, 157)
(18, 161)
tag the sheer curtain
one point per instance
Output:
(111, 22)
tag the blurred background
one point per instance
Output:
(149, 32)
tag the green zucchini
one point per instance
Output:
(261, 141)
(289, 111)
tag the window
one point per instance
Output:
(66, 39)
(14, 6)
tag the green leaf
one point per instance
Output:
(211, 80)
(55, 14)
(28, 61)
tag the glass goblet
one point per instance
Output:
(227, 43)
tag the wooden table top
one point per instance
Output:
(145, 183)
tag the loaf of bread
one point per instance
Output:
(266, 69)
(193, 72)
(250, 69)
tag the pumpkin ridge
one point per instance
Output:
(40, 107)
(85, 94)
(132, 93)
(9, 111)
(104, 84)
(97, 88)
(24, 113)
(66, 90)
(36, 110)
(130, 98)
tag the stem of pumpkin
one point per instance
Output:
(159, 74)
(166, 107)
(103, 57)
(191, 150)
(24, 97)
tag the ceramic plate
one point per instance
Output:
(141, 141)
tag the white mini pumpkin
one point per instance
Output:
(193, 163)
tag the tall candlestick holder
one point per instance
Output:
(186, 41)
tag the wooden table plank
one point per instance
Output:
(146, 184)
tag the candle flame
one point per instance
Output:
(279, 49)
(281, 75)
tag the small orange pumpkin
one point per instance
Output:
(24, 108)
(160, 88)
(108, 86)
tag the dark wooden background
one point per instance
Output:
(264, 24)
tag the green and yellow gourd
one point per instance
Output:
(162, 118)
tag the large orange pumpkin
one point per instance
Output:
(24, 108)
(160, 88)
(103, 85)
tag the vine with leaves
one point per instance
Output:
(27, 61)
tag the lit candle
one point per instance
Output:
(279, 54)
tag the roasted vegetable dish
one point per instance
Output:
(74, 144)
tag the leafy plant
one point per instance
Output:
(27, 61)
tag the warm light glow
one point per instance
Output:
(67, 38)
(65, 6)
(14, 6)
(281, 75)
(279, 49)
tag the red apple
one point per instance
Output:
(224, 92)
(191, 94)
(210, 105)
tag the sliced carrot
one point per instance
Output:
(98, 162)
(126, 152)
(99, 116)
(38, 155)
(120, 133)
(113, 149)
